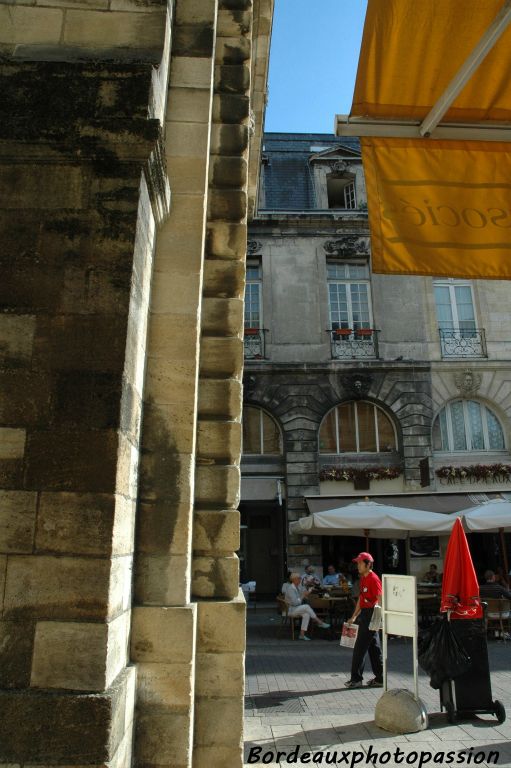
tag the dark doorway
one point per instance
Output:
(262, 546)
(389, 554)
(485, 551)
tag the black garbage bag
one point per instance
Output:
(441, 654)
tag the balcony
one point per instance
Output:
(347, 344)
(253, 343)
(463, 343)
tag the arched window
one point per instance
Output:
(261, 434)
(357, 427)
(466, 425)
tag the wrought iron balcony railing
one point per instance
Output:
(347, 344)
(253, 344)
(463, 343)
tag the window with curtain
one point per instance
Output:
(357, 427)
(349, 296)
(466, 425)
(253, 304)
(455, 306)
(261, 434)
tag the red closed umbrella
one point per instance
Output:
(460, 590)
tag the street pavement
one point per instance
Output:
(295, 696)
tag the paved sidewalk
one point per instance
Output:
(295, 696)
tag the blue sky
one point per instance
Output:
(313, 63)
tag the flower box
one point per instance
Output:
(252, 331)
(343, 331)
(364, 332)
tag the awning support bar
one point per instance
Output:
(359, 126)
(460, 79)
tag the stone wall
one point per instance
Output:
(120, 310)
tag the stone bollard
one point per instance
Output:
(399, 712)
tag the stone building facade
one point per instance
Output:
(129, 159)
(407, 374)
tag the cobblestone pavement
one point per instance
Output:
(295, 695)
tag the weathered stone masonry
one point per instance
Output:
(104, 284)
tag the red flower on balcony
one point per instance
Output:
(343, 331)
(251, 331)
(364, 332)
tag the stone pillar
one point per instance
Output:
(81, 197)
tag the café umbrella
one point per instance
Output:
(491, 516)
(373, 520)
(460, 589)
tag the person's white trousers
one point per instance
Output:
(305, 611)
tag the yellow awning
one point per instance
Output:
(431, 70)
(411, 50)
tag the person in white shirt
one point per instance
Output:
(309, 578)
(294, 594)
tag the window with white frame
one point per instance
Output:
(466, 425)
(253, 303)
(261, 433)
(341, 192)
(357, 427)
(455, 306)
(349, 296)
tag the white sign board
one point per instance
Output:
(399, 614)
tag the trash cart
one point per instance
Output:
(472, 690)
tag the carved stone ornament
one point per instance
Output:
(253, 247)
(467, 381)
(349, 245)
(339, 166)
(357, 385)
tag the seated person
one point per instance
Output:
(309, 579)
(294, 594)
(490, 588)
(432, 576)
(332, 578)
(501, 578)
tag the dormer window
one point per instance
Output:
(341, 192)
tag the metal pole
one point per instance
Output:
(503, 551)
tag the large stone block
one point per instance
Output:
(17, 520)
(168, 381)
(220, 398)
(233, 23)
(219, 440)
(196, 12)
(193, 40)
(23, 26)
(72, 460)
(16, 337)
(63, 728)
(232, 50)
(96, 30)
(25, 398)
(175, 296)
(229, 139)
(191, 72)
(163, 738)
(166, 685)
(216, 531)
(186, 105)
(221, 626)
(12, 443)
(162, 579)
(227, 204)
(189, 140)
(221, 357)
(44, 186)
(222, 317)
(220, 674)
(226, 240)
(16, 644)
(219, 721)
(215, 576)
(173, 335)
(56, 587)
(75, 523)
(79, 656)
(163, 635)
(224, 279)
(164, 527)
(3, 572)
(230, 108)
(232, 78)
(217, 757)
(227, 172)
(217, 485)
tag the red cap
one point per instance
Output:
(363, 556)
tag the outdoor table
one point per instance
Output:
(333, 602)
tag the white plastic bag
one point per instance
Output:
(375, 623)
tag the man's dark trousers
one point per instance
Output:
(367, 641)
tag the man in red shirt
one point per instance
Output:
(368, 641)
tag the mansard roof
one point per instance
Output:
(287, 172)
